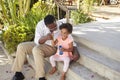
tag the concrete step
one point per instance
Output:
(101, 37)
(100, 64)
(75, 72)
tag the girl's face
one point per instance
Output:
(64, 33)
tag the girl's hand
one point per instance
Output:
(62, 49)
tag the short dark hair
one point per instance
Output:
(49, 19)
(67, 26)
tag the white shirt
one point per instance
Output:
(42, 30)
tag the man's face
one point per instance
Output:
(52, 27)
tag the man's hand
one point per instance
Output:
(49, 36)
(62, 49)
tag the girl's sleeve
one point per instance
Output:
(72, 40)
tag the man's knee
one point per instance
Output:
(37, 50)
(20, 46)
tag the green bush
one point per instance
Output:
(80, 17)
(16, 34)
(24, 29)
(42, 9)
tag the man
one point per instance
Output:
(40, 48)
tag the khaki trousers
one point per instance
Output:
(39, 53)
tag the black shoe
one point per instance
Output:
(43, 78)
(18, 76)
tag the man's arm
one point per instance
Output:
(43, 39)
(40, 30)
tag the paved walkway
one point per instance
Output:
(4, 65)
(106, 12)
(3, 57)
(5, 68)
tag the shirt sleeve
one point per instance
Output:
(72, 40)
(38, 33)
(41, 30)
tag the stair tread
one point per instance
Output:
(76, 71)
(113, 64)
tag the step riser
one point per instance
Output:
(30, 61)
(108, 52)
(99, 68)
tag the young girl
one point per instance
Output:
(64, 50)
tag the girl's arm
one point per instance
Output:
(70, 49)
(43, 39)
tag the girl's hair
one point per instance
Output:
(67, 26)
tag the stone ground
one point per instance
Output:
(6, 64)
(6, 73)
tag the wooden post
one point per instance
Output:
(78, 4)
(64, 8)
(67, 15)
(58, 12)
(102, 2)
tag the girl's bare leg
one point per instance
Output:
(63, 76)
(53, 70)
